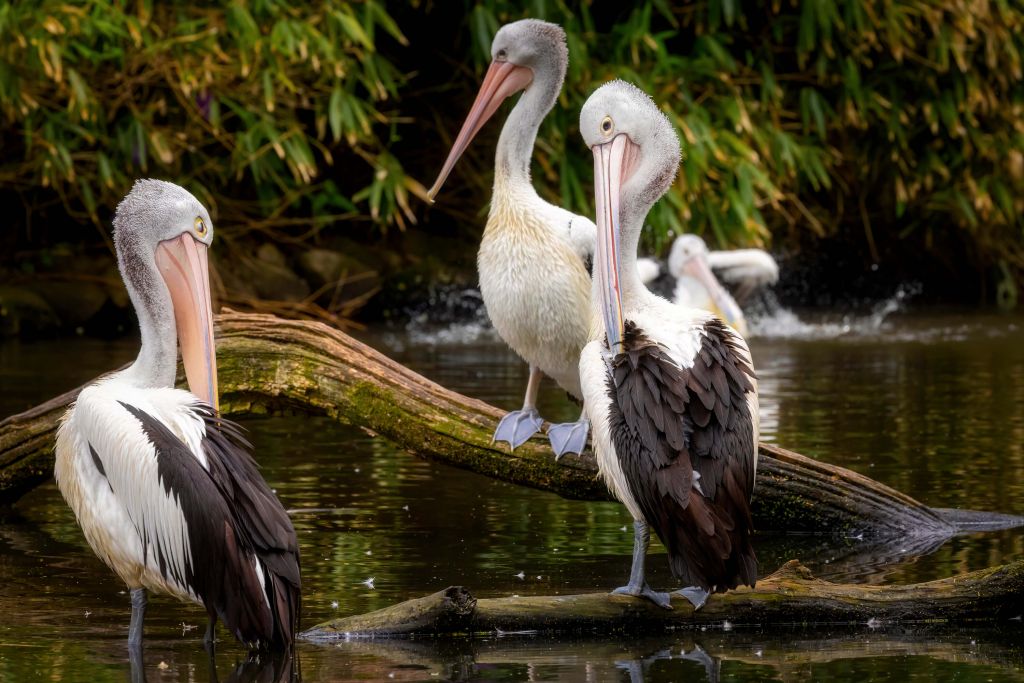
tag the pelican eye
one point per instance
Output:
(607, 125)
(502, 53)
(200, 226)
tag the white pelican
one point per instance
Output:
(533, 256)
(697, 269)
(164, 489)
(670, 391)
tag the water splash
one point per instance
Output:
(449, 316)
(770, 319)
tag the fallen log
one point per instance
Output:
(268, 364)
(790, 596)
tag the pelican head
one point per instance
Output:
(685, 249)
(690, 258)
(521, 52)
(636, 156)
(161, 229)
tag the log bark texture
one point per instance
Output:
(790, 596)
(268, 364)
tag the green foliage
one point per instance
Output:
(249, 103)
(887, 116)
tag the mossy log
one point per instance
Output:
(268, 364)
(789, 596)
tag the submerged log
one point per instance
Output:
(268, 364)
(790, 596)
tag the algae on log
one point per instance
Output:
(789, 596)
(270, 364)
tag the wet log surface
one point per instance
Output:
(268, 364)
(790, 596)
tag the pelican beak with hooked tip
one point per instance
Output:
(728, 309)
(614, 162)
(503, 80)
(183, 265)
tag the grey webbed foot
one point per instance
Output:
(569, 437)
(696, 596)
(517, 427)
(660, 599)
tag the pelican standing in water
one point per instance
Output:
(165, 490)
(670, 391)
(533, 256)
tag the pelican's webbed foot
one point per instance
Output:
(518, 426)
(569, 437)
(697, 596)
(644, 591)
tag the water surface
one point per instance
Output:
(929, 404)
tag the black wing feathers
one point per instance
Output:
(231, 515)
(260, 515)
(669, 423)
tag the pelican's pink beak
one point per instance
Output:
(503, 80)
(698, 268)
(183, 265)
(614, 162)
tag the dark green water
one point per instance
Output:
(931, 405)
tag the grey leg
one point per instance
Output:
(637, 585)
(138, 614)
(518, 426)
(569, 437)
(210, 639)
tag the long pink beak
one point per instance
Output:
(614, 162)
(698, 268)
(183, 264)
(503, 80)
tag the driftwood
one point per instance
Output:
(268, 364)
(790, 596)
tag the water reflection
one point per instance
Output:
(935, 414)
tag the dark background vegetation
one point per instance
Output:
(866, 142)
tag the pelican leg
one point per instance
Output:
(569, 437)
(137, 664)
(210, 638)
(518, 426)
(696, 595)
(138, 614)
(637, 586)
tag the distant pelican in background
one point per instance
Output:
(164, 488)
(670, 390)
(697, 270)
(533, 257)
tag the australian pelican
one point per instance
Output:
(697, 271)
(670, 391)
(533, 256)
(165, 489)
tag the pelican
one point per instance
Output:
(670, 391)
(533, 256)
(166, 490)
(697, 285)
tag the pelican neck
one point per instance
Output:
(157, 362)
(519, 134)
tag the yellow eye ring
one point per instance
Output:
(607, 125)
(200, 226)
